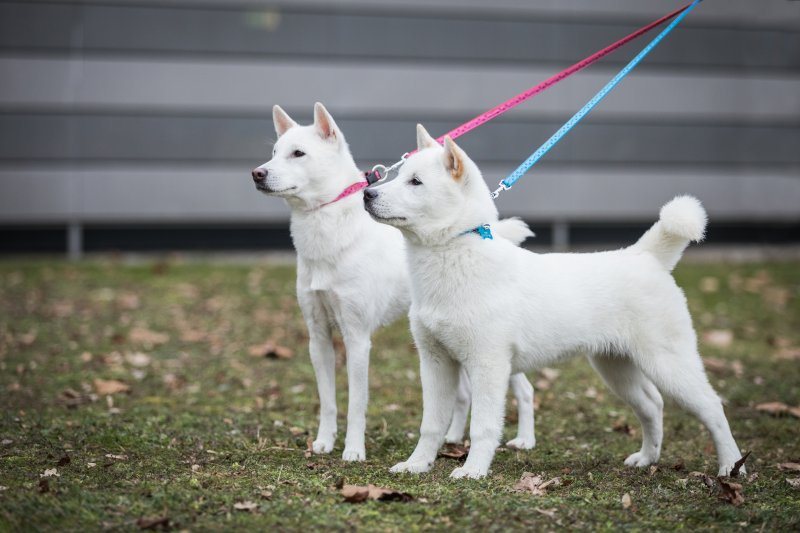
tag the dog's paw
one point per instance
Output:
(522, 443)
(467, 472)
(412, 467)
(640, 459)
(322, 446)
(351, 455)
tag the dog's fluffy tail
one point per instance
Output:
(512, 229)
(681, 221)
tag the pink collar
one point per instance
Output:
(369, 179)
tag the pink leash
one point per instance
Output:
(375, 175)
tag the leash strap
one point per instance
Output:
(564, 74)
(509, 181)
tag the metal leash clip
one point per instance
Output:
(381, 172)
(501, 188)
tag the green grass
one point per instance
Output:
(207, 425)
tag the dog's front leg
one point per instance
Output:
(323, 358)
(357, 344)
(439, 375)
(459, 421)
(489, 380)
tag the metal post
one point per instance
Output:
(560, 235)
(74, 241)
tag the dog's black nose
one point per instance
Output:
(259, 174)
(370, 194)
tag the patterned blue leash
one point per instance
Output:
(509, 181)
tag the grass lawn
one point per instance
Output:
(212, 434)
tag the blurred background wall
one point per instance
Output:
(133, 124)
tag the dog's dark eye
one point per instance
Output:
(298, 153)
(415, 181)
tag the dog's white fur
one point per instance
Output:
(497, 309)
(352, 274)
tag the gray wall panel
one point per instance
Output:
(420, 92)
(37, 138)
(199, 194)
(333, 34)
(781, 13)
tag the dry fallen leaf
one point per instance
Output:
(138, 359)
(154, 522)
(245, 506)
(626, 501)
(50, 472)
(789, 466)
(358, 494)
(794, 482)
(778, 409)
(719, 338)
(738, 465)
(721, 366)
(110, 386)
(731, 492)
(453, 451)
(705, 478)
(142, 335)
(533, 484)
(117, 457)
(270, 350)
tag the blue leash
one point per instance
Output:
(512, 178)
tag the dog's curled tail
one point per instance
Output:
(512, 229)
(681, 221)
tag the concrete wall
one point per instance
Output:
(144, 111)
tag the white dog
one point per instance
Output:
(352, 273)
(497, 309)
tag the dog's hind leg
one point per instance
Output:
(523, 393)
(455, 434)
(357, 344)
(439, 375)
(489, 385)
(632, 386)
(681, 376)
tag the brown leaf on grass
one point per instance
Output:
(64, 461)
(621, 426)
(719, 338)
(358, 494)
(44, 486)
(72, 398)
(789, 466)
(138, 359)
(626, 501)
(679, 465)
(309, 447)
(534, 484)
(705, 478)
(778, 409)
(297, 431)
(709, 285)
(738, 465)
(270, 350)
(106, 387)
(794, 482)
(454, 451)
(142, 335)
(154, 523)
(731, 492)
(721, 366)
(245, 506)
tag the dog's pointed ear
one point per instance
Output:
(424, 139)
(324, 123)
(454, 158)
(282, 120)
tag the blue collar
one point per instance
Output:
(484, 231)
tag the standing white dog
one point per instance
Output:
(497, 309)
(351, 273)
